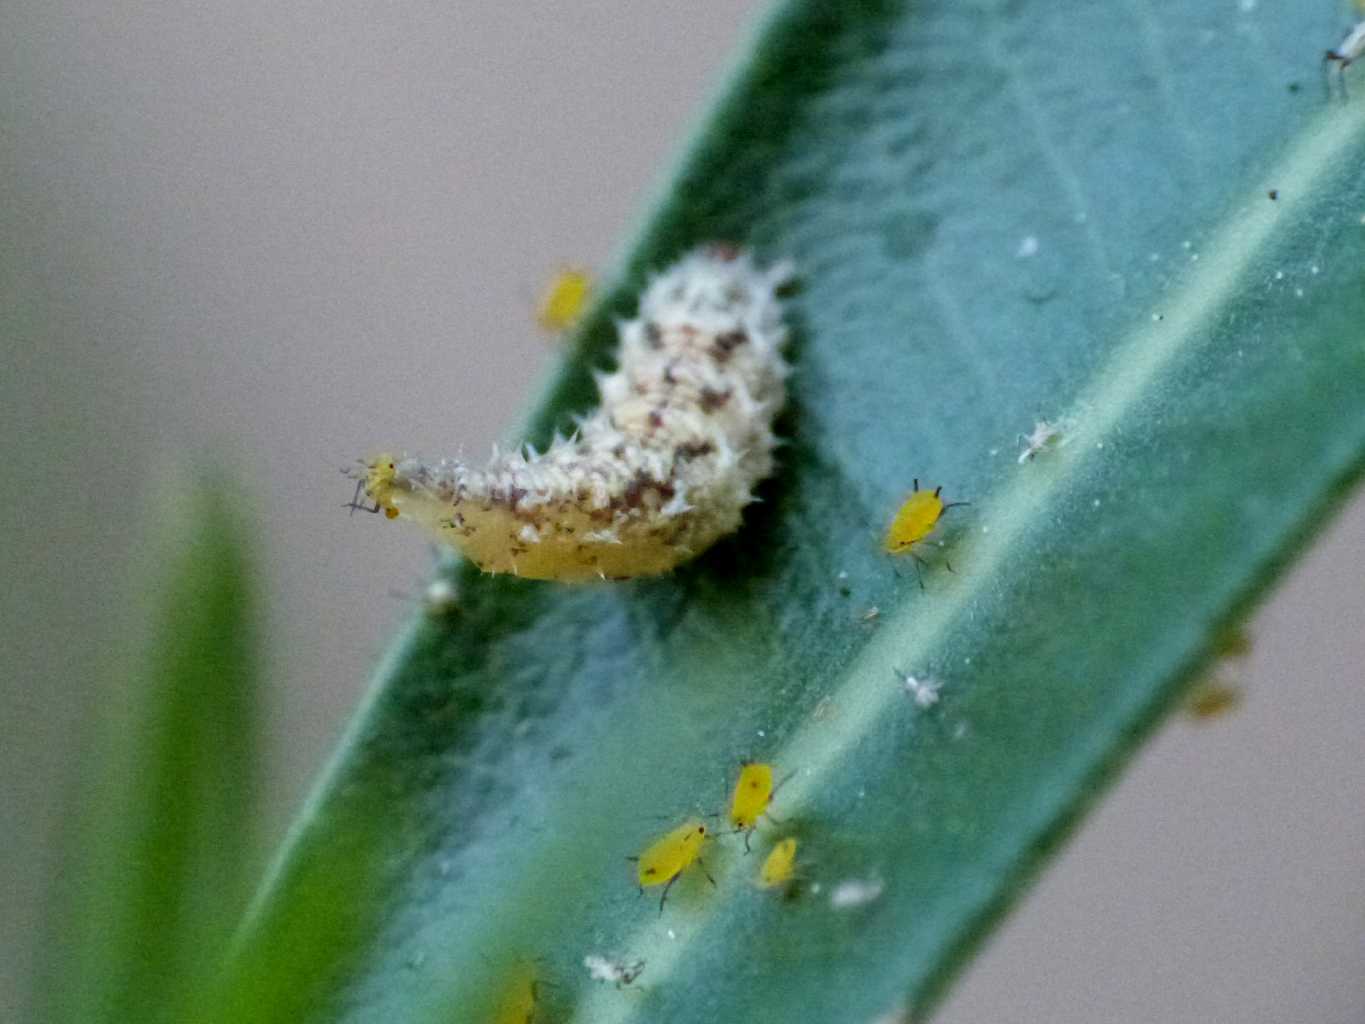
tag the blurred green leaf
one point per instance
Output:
(160, 848)
(1001, 212)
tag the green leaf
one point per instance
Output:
(160, 852)
(1000, 212)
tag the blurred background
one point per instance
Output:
(287, 235)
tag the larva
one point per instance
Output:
(659, 472)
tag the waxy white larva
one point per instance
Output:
(660, 471)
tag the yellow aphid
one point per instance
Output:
(754, 791)
(779, 866)
(1212, 699)
(916, 519)
(376, 482)
(518, 1003)
(667, 858)
(564, 300)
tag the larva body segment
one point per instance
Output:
(658, 472)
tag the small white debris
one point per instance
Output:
(871, 614)
(1315, 270)
(1186, 244)
(1246, 6)
(842, 575)
(1279, 275)
(618, 972)
(1027, 247)
(924, 692)
(854, 893)
(672, 934)
(761, 734)
(1044, 435)
(440, 597)
(1298, 293)
(1158, 317)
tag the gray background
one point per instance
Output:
(289, 234)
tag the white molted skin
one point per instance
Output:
(654, 476)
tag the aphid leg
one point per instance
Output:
(355, 504)
(747, 833)
(664, 898)
(920, 565)
(702, 864)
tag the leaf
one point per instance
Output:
(1000, 212)
(160, 853)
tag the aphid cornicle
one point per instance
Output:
(664, 861)
(915, 520)
(753, 794)
(780, 865)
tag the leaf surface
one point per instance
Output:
(1000, 212)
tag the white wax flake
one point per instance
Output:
(1298, 293)
(853, 893)
(761, 734)
(659, 472)
(1315, 270)
(1246, 6)
(440, 597)
(871, 614)
(924, 692)
(842, 575)
(1186, 244)
(1279, 275)
(1028, 246)
(672, 934)
(1044, 435)
(615, 972)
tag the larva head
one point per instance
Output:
(378, 482)
(915, 519)
(753, 793)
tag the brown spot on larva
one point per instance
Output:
(656, 420)
(514, 495)
(653, 335)
(668, 373)
(727, 251)
(727, 343)
(711, 399)
(694, 449)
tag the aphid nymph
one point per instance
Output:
(564, 300)
(915, 520)
(754, 791)
(780, 865)
(664, 861)
(1346, 53)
